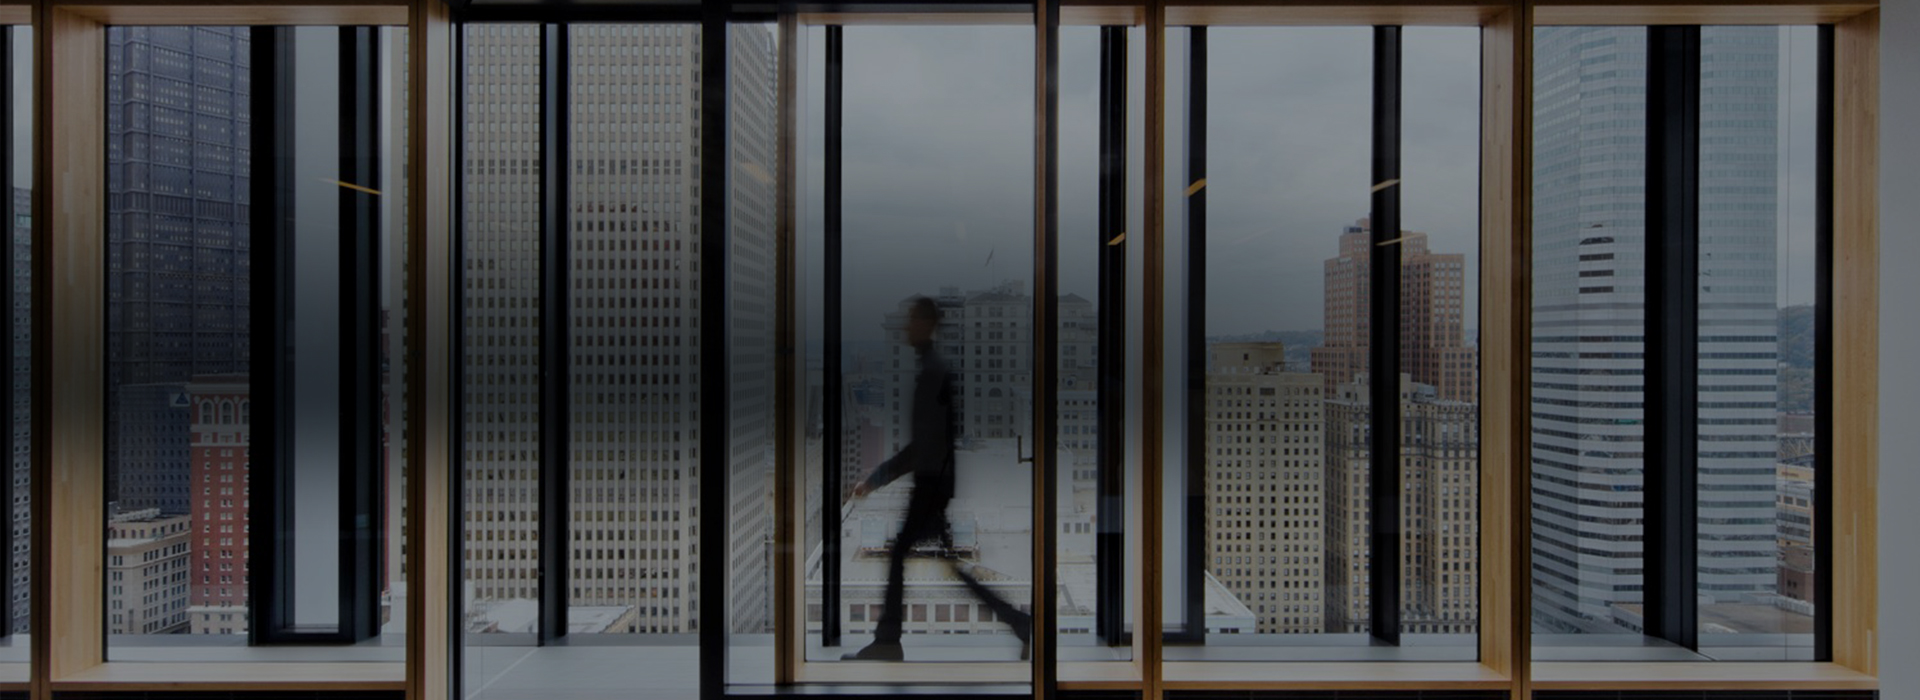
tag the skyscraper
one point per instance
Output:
(1433, 347)
(1439, 510)
(177, 236)
(220, 410)
(19, 307)
(1265, 525)
(634, 319)
(1589, 229)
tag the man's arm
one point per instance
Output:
(889, 471)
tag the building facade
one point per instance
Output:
(1433, 342)
(1265, 486)
(1439, 510)
(1589, 320)
(220, 431)
(633, 322)
(177, 234)
(147, 572)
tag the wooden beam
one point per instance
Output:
(1856, 343)
(930, 19)
(431, 310)
(789, 531)
(69, 345)
(1466, 13)
(1645, 12)
(241, 13)
(1332, 676)
(238, 676)
(1506, 204)
(16, 14)
(1706, 675)
(1148, 610)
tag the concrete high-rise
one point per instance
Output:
(1433, 347)
(1589, 321)
(634, 322)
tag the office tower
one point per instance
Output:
(219, 408)
(147, 572)
(1264, 486)
(1589, 321)
(634, 320)
(177, 236)
(1433, 347)
(1439, 510)
(21, 305)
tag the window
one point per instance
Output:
(181, 326)
(1676, 427)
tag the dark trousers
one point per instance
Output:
(927, 520)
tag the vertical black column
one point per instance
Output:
(1822, 520)
(1110, 455)
(1383, 362)
(1046, 365)
(831, 405)
(362, 414)
(6, 292)
(1672, 318)
(270, 221)
(456, 521)
(1196, 510)
(556, 224)
(715, 380)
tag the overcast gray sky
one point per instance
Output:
(938, 162)
(939, 165)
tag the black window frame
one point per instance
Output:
(1673, 180)
(272, 574)
(1384, 470)
(7, 279)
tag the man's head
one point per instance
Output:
(922, 319)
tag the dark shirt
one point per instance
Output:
(928, 456)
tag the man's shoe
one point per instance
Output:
(1026, 650)
(877, 651)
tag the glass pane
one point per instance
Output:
(19, 216)
(313, 415)
(1757, 189)
(938, 206)
(1589, 317)
(633, 331)
(1439, 350)
(500, 380)
(1099, 204)
(178, 284)
(753, 219)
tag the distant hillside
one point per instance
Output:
(1300, 344)
(1796, 336)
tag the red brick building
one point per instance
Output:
(1432, 317)
(219, 414)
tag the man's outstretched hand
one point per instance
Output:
(863, 488)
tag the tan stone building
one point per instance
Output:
(1264, 486)
(1440, 463)
(147, 572)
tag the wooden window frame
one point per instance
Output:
(68, 232)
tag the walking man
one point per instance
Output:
(929, 458)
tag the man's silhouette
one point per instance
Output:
(929, 458)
